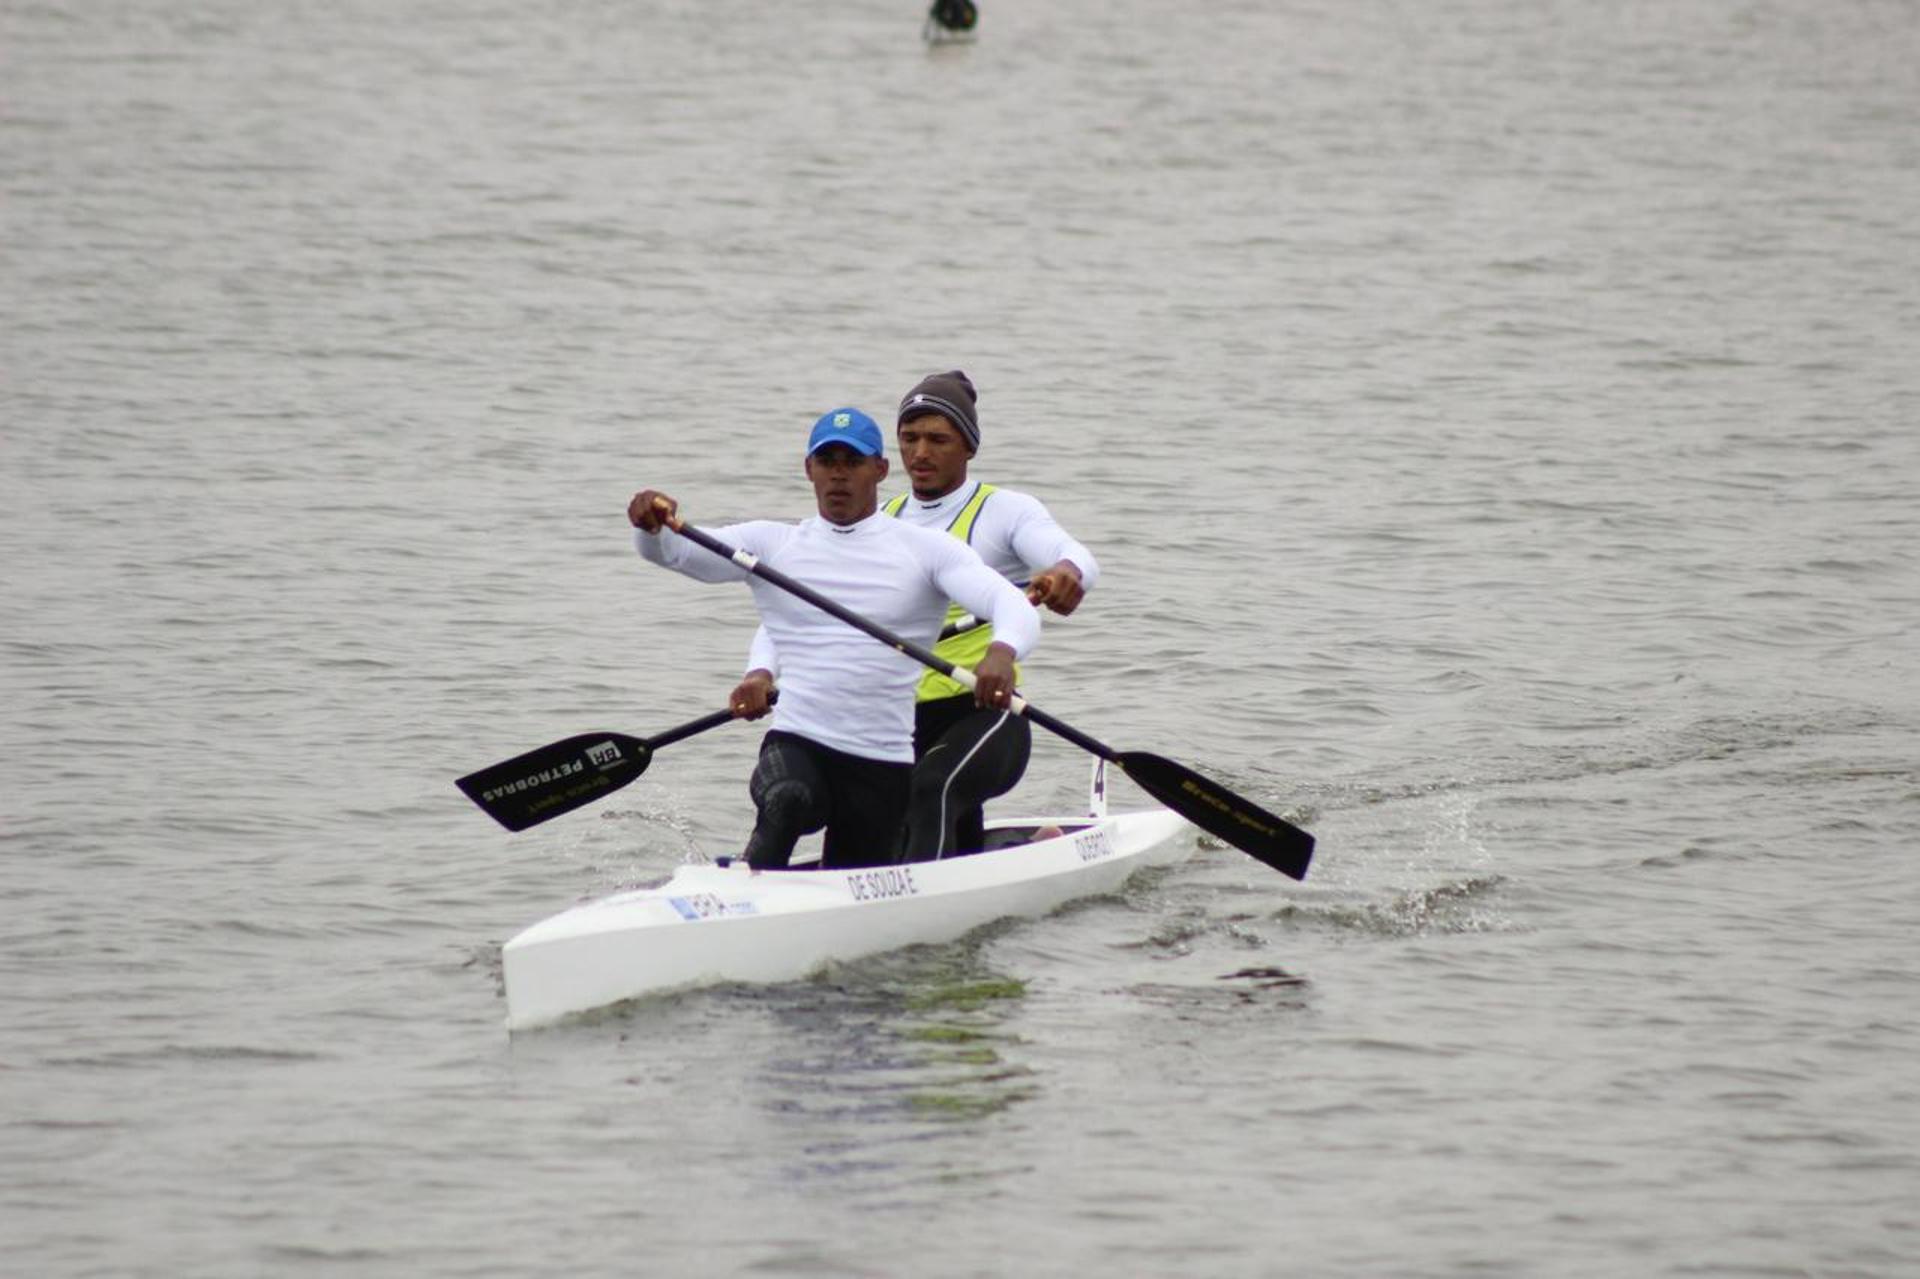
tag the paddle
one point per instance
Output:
(1205, 803)
(966, 622)
(558, 778)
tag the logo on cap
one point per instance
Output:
(845, 426)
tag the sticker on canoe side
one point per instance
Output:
(707, 906)
(1093, 844)
(876, 885)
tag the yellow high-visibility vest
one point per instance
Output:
(969, 646)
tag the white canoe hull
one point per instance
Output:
(712, 923)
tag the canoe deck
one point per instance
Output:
(716, 923)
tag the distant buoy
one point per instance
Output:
(951, 20)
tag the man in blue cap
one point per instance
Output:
(840, 752)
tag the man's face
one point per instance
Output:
(846, 483)
(935, 455)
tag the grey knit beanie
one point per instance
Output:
(949, 394)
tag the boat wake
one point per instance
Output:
(1469, 905)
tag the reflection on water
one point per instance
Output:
(1264, 990)
(925, 1034)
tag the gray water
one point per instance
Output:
(1496, 422)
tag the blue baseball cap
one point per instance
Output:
(850, 427)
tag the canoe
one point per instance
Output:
(725, 922)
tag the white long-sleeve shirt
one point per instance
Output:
(1014, 532)
(839, 686)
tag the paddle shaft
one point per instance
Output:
(1202, 801)
(926, 656)
(701, 725)
(967, 622)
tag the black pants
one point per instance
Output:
(799, 786)
(964, 757)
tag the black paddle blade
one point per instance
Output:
(1218, 811)
(541, 784)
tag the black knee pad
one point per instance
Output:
(788, 805)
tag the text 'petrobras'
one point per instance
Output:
(545, 777)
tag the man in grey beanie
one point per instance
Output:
(966, 754)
